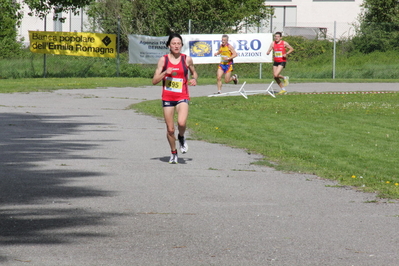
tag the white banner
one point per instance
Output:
(250, 48)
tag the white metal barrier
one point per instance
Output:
(245, 93)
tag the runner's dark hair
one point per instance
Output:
(174, 35)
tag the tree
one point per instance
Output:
(104, 15)
(155, 17)
(379, 26)
(41, 8)
(10, 18)
(380, 11)
(159, 18)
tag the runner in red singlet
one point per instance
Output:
(280, 59)
(172, 70)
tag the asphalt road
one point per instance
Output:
(85, 181)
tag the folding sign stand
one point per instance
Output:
(245, 93)
(233, 93)
(268, 90)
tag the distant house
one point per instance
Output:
(72, 23)
(312, 18)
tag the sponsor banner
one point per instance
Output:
(73, 43)
(250, 48)
(146, 49)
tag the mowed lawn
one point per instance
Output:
(351, 138)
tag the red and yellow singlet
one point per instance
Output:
(174, 86)
(279, 52)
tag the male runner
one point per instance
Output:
(280, 60)
(227, 53)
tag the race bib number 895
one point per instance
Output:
(174, 84)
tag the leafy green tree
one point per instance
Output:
(159, 18)
(41, 8)
(155, 17)
(381, 11)
(379, 26)
(10, 18)
(104, 15)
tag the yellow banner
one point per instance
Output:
(73, 43)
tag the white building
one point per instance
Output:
(31, 23)
(295, 16)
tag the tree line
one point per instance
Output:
(377, 28)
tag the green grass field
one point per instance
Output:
(48, 84)
(351, 138)
(354, 66)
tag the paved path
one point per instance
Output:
(84, 181)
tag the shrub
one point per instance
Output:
(305, 48)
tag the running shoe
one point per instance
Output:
(286, 81)
(282, 92)
(174, 158)
(235, 80)
(183, 144)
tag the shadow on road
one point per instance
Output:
(35, 202)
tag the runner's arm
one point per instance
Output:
(289, 47)
(270, 49)
(194, 74)
(233, 52)
(159, 74)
